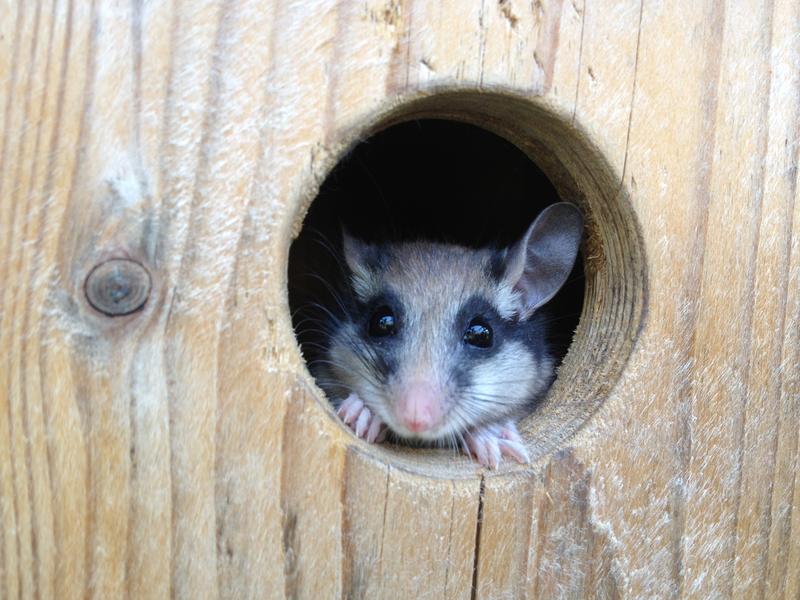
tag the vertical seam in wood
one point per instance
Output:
(132, 476)
(332, 83)
(231, 287)
(227, 9)
(775, 446)
(580, 62)
(709, 100)
(209, 118)
(345, 560)
(136, 84)
(383, 522)
(553, 36)
(35, 270)
(786, 279)
(788, 267)
(83, 136)
(42, 209)
(450, 537)
(543, 510)
(48, 187)
(409, 28)
(287, 591)
(164, 225)
(481, 43)
(165, 215)
(62, 85)
(476, 551)
(3, 153)
(522, 581)
(750, 302)
(170, 413)
(13, 490)
(12, 78)
(35, 571)
(633, 100)
(789, 517)
(3, 563)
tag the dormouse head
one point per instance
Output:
(444, 338)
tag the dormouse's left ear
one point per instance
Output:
(539, 263)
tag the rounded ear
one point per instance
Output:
(363, 260)
(355, 252)
(539, 263)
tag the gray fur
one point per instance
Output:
(432, 282)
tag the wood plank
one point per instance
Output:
(638, 443)
(721, 389)
(571, 555)
(764, 406)
(183, 450)
(605, 86)
(428, 540)
(407, 532)
(311, 495)
(509, 519)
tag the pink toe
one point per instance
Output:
(374, 429)
(481, 455)
(350, 409)
(515, 450)
(476, 449)
(362, 423)
(494, 453)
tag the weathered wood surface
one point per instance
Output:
(181, 449)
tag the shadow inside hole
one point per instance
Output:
(428, 179)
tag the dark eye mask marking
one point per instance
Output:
(380, 347)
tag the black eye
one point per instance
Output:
(478, 333)
(382, 322)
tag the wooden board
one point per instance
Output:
(183, 449)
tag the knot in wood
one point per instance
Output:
(118, 287)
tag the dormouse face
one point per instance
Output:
(444, 338)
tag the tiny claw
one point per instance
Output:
(511, 443)
(363, 422)
(494, 452)
(350, 409)
(515, 451)
(360, 419)
(479, 450)
(479, 444)
(489, 444)
(374, 430)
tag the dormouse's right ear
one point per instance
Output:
(363, 260)
(539, 264)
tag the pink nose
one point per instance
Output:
(419, 406)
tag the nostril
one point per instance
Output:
(420, 423)
(417, 426)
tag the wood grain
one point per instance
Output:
(184, 450)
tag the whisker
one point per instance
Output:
(335, 294)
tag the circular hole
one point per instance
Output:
(475, 170)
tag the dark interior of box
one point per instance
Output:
(424, 179)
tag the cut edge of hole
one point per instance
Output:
(615, 295)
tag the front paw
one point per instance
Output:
(360, 419)
(488, 444)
